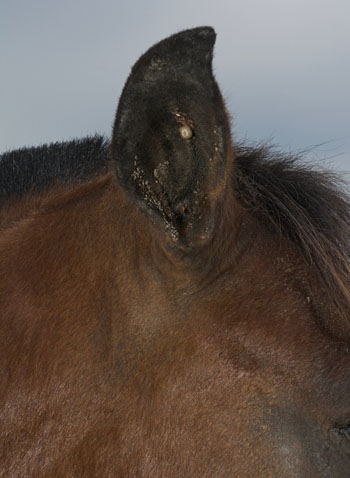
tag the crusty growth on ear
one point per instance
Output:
(171, 139)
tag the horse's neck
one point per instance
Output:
(158, 288)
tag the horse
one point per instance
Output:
(173, 303)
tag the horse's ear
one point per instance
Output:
(171, 138)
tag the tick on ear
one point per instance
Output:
(185, 132)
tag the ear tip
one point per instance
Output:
(198, 42)
(200, 33)
(195, 44)
(204, 36)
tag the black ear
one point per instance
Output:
(171, 139)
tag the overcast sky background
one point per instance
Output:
(283, 66)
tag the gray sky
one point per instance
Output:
(283, 66)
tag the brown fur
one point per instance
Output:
(220, 351)
(122, 359)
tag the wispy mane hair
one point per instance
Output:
(308, 206)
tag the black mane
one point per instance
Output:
(36, 169)
(309, 207)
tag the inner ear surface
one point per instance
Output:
(171, 135)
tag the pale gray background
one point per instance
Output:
(283, 65)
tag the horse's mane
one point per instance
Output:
(309, 207)
(37, 168)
